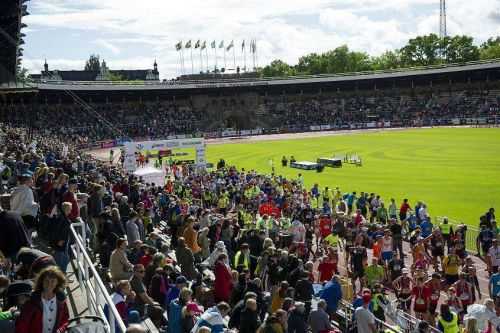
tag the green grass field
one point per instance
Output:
(456, 171)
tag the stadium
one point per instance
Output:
(250, 199)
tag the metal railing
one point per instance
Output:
(397, 321)
(471, 235)
(90, 282)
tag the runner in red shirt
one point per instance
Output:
(434, 284)
(326, 269)
(465, 293)
(403, 210)
(421, 299)
(325, 226)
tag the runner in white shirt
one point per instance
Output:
(493, 257)
(387, 247)
(298, 231)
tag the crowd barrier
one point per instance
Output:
(471, 235)
(397, 321)
(90, 283)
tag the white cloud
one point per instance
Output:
(107, 45)
(366, 25)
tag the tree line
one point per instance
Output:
(419, 51)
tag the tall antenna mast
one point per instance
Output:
(442, 18)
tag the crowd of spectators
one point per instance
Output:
(231, 249)
(159, 119)
(407, 110)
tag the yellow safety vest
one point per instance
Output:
(237, 260)
(332, 240)
(445, 228)
(375, 302)
(450, 326)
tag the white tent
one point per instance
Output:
(151, 175)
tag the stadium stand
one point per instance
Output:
(469, 98)
(231, 249)
(11, 38)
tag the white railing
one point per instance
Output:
(90, 282)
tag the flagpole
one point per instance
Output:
(215, 48)
(234, 59)
(206, 58)
(225, 66)
(201, 62)
(253, 53)
(245, 58)
(192, 63)
(182, 61)
(256, 55)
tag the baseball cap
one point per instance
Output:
(181, 279)
(367, 298)
(405, 271)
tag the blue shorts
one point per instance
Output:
(387, 256)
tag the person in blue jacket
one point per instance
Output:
(175, 310)
(332, 294)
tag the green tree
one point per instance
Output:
(93, 64)
(459, 49)
(422, 51)
(312, 63)
(21, 74)
(490, 49)
(115, 77)
(387, 60)
(278, 68)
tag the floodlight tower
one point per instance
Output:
(442, 18)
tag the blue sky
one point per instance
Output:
(131, 34)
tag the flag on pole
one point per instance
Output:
(204, 45)
(188, 45)
(221, 45)
(213, 45)
(253, 46)
(198, 44)
(243, 45)
(230, 45)
(178, 46)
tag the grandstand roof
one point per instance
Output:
(428, 73)
(11, 12)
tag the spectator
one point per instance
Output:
(62, 237)
(47, 310)
(332, 294)
(365, 320)
(120, 266)
(319, 320)
(249, 317)
(142, 298)
(297, 321)
(223, 283)
(185, 259)
(175, 310)
(23, 202)
(213, 318)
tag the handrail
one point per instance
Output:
(96, 292)
(406, 322)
